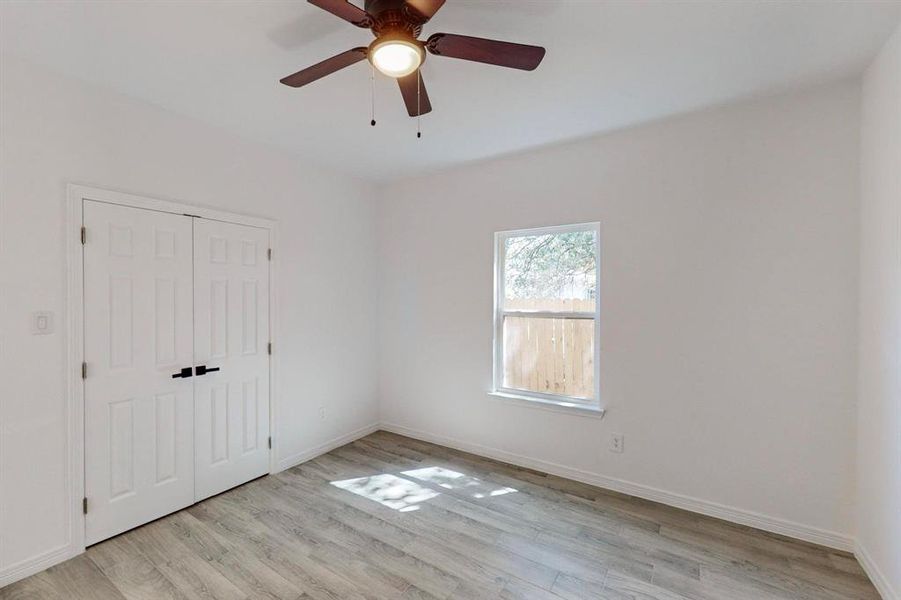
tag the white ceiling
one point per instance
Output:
(609, 64)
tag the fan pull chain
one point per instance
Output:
(372, 95)
(418, 103)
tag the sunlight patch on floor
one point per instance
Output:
(388, 490)
(453, 480)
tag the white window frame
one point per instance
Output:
(553, 400)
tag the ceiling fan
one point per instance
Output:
(398, 53)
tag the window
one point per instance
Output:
(547, 314)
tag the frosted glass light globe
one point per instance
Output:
(396, 58)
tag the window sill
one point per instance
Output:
(568, 408)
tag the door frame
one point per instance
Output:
(76, 195)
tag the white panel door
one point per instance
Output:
(139, 420)
(231, 329)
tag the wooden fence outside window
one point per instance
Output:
(550, 355)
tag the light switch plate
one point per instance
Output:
(42, 323)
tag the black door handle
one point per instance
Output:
(203, 369)
(186, 372)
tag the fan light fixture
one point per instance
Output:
(396, 57)
(398, 52)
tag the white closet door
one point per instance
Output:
(231, 328)
(139, 421)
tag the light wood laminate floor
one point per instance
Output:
(392, 517)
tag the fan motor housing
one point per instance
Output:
(393, 16)
(376, 7)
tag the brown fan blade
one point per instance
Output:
(492, 52)
(425, 8)
(412, 88)
(346, 11)
(326, 67)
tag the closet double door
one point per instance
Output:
(176, 387)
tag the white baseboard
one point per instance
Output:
(36, 564)
(883, 586)
(301, 457)
(704, 507)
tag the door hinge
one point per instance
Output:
(269, 348)
(84, 505)
(270, 442)
(269, 254)
(84, 235)
(84, 370)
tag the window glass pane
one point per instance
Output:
(555, 271)
(552, 356)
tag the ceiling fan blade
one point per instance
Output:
(425, 8)
(492, 52)
(415, 95)
(345, 10)
(326, 67)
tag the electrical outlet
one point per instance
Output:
(617, 443)
(322, 413)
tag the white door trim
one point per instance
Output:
(76, 194)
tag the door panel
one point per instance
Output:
(139, 436)
(231, 312)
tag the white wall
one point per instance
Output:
(54, 130)
(729, 308)
(879, 404)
